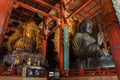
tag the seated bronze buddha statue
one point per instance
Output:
(86, 47)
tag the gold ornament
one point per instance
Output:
(56, 40)
(24, 37)
(73, 24)
(29, 61)
(17, 60)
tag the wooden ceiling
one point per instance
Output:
(22, 13)
(25, 12)
(91, 10)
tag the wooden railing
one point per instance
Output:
(16, 72)
(90, 72)
(71, 73)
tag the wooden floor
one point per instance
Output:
(67, 78)
(19, 78)
(92, 78)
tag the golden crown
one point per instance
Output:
(30, 25)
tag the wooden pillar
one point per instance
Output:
(44, 39)
(5, 12)
(44, 44)
(113, 30)
(61, 53)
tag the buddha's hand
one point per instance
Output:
(104, 52)
(100, 38)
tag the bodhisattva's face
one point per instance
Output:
(29, 33)
(89, 28)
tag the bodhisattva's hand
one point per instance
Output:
(100, 38)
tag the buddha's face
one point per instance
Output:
(89, 28)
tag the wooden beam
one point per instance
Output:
(70, 2)
(80, 8)
(49, 20)
(53, 30)
(35, 10)
(46, 4)
(13, 20)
